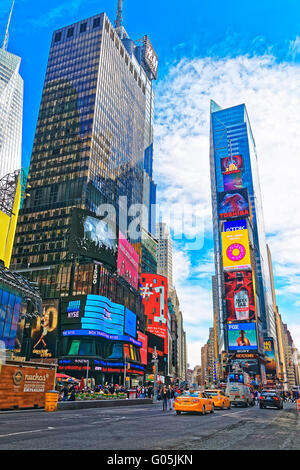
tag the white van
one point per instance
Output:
(239, 392)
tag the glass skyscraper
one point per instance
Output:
(93, 141)
(242, 284)
(11, 110)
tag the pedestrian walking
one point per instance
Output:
(257, 397)
(65, 392)
(171, 398)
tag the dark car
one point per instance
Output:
(270, 398)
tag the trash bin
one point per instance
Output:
(51, 399)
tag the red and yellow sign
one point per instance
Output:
(236, 250)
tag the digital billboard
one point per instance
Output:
(232, 163)
(93, 237)
(44, 330)
(236, 250)
(239, 296)
(233, 225)
(154, 292)
(233, 204)
(143, 351)
(242, 336)
(232, 180)
(130, 323)
(150, 56)
(269, 351)
(128, 261)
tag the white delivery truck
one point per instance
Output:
(238, 389)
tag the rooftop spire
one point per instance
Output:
(6, 36)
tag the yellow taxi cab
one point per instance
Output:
(194, 401)
(219, 398)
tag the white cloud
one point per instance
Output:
(271, 93)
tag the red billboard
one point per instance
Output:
(239, 295)
(154, 292)
(144, 349)
(128, 261)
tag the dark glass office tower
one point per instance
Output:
(243, 289)
(94, 131)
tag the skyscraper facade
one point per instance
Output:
(164, 252)
(11, 109)
(93, 134)
(243, 287)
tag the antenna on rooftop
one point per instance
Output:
(6, 36)
(118, 22)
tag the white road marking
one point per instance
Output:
(25, 432)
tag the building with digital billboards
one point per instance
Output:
(93, 138)
(11, 109)
(242, 285)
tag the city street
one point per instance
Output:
(149, 428)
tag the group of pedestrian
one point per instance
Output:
(167, 395)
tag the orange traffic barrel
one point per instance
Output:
(51, 399)
(298, 404)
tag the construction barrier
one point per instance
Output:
(51, 399)
(298, 404)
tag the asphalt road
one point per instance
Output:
(147, 427)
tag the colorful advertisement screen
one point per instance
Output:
(239, 295)
(128, 262)
(269, 351)
(232, 180)
(93, 237)
(154, 292)
(242, 336)
(232, 163)
(44, 330)
(233, 225)
(236, 250)
(143, 351)
(233, 204)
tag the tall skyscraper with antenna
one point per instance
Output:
(11, 107)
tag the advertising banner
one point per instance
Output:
(44, 330)
(242, 336)
(239, 296)
(233, 225)
(130, 323)
(232, 180)
(93, 237)
(128, 261)
(143, 351)
(233, 204)
(231, 163)
(269, 351)
(154, 292)
(236, 250)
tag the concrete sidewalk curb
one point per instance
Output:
(77, 405)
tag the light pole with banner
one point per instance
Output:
(155, 361)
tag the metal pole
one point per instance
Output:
(87, 371)
(155, 374)
(125, 372)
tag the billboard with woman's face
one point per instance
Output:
(44, 329)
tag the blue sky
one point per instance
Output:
(229, 51)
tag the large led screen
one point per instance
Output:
(130, 323)
(239, 296)
(93, 237)
(233, 204)
(154, 292)
(236, 250)
(232, 181)
(128, 262)
(233, 225)
(103, 315)
(143, 351)
(242, 336)
(232, 163)
(44, 330)
(269, 351)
